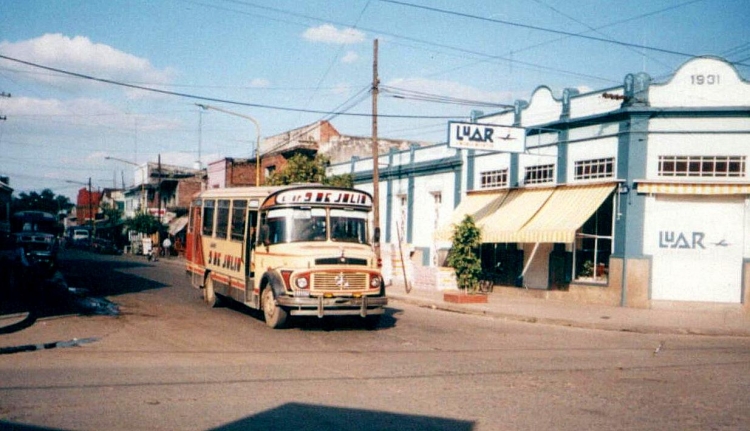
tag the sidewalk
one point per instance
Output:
(710, 319)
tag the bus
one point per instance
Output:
(289, 251)
(36, 232)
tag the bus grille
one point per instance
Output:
(339, 281)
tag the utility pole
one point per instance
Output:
(375, 169)
(91, 210)
(158, 189)
(4, 94)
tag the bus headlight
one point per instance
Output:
(302, 283)
(375, 282)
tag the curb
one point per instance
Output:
(604, 326)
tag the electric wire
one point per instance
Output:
(213, 99)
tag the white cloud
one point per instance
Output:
(80, 112)
(350, 57)
(81, 55)
(260, 83)
(451, 89)
(327, 33)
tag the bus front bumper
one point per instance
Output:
(346, 306)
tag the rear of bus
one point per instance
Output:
(313, 249)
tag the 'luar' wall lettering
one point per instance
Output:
(671, 239)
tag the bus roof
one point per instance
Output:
(235, 192)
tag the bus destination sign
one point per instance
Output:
(324, 196)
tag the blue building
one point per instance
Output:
(635, 195)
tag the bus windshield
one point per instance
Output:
(312, 224)
(349, 226)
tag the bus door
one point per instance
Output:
(252, 223)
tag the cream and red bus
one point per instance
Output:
(293, 250)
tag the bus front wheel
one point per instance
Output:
(274, 315)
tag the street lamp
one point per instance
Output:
(143, 178)
(257, 126)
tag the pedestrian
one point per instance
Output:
(167, 246)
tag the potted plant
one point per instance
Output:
(464, 259)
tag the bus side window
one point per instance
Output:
(265, 231)
(208, 217)
(252, 221)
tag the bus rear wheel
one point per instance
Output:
(209, 294)
(274, 315)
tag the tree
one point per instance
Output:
(464, 254)
(46, 201)
(302, 169)
(144, 223)
(112, 214)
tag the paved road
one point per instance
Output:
(168, 362)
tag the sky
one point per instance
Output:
(92, 79)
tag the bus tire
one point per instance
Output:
(209, 294)
(274, 315)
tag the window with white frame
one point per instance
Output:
(539, 174)
(492, 179)
(593, 246)
(702, 166)
(594, 168)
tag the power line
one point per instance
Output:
(537, 28)
(212, 99)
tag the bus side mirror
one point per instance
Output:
(376, 237)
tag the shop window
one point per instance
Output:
(702, 166)
(492, 179)
(539, 174)
(502, 263)
(595, 168)
(593, 246)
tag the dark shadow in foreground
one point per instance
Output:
(309, 417)
(304, 417)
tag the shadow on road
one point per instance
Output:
(77, 288)
(309, 417)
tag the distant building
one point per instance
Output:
(162, 190)
(88, 205)
(316, 138)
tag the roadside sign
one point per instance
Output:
(488, 137)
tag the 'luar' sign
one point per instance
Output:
(474, 136)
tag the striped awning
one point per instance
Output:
(694, 188)
(478, 205)
(564, 213)
(517, 209)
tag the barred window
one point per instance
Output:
(490, 179)
(594, 168)
(539, 174)
(702, 166)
